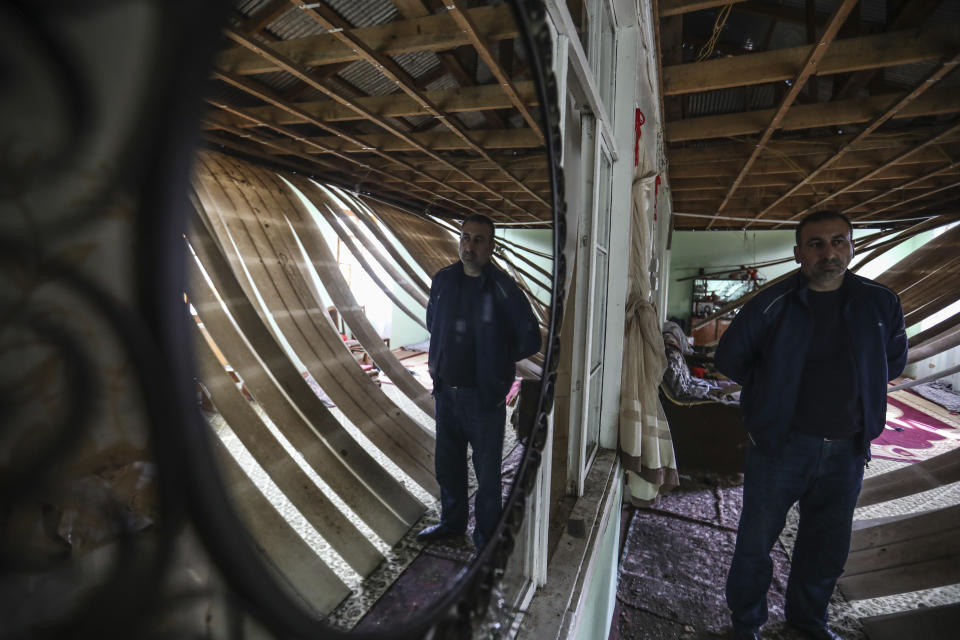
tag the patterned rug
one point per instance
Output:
(916, 429)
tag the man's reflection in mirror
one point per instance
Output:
(480, 326)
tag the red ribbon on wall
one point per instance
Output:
(638, 123)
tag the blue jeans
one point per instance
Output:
(462, 418)
(825, 477)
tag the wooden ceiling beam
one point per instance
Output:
(950, 168)
(851, 54)
(436, 32)
(779, 13)
(810, 116)
(458, 11)
(878, 148)
(945, 67)
(679, 7)
(815, 55)
(885, 167)
(325, 17)
(912, 14)
(464, 99)
(307, 76)
(270, 12)
(368, 168)
(437, 141)
(850, 167)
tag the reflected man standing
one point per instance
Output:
(814, 354)
(480, 326)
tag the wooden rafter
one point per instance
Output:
(946, 67)
(883, 167)
(926, 194)
(810, 116)
(815, 55)
(852, 54)
(436, 32)
(464, 20)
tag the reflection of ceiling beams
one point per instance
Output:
(814, 57)
(305, 74)
(808, 116)
(460, 100)
(852, 54)
(462, 17)
(431, 33)
(392, 71)
(433, 140)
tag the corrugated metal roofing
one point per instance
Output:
(364, 13)
(715, 102)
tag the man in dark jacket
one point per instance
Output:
(480, 326)
(814, 354)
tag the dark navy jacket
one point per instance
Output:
(507, 330)
(764, 349)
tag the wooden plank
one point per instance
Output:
(369, 218)
(851, 54)
(940, 544)
(311, 334)
(339, 291)
(295, 564)
(276, 246)
(368, 472)
(430, 33)
(306, 496)
(926, 574)
(809, 116)
(934, 345)
(929, 623)
(901, 528)
(328, 463)
(431, 246)
(919, 476)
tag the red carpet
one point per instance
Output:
(912, 434)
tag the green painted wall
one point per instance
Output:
(718, 250)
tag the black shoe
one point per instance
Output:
(817, 633)
(438, 532)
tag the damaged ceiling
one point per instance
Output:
(776, 108)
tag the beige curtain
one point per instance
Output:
(646, 447)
